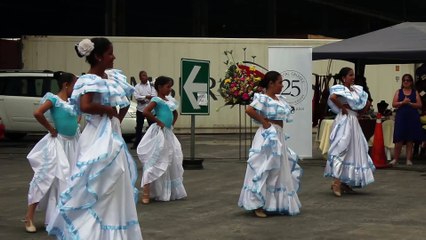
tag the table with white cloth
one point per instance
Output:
(367, 125)
(323, 135)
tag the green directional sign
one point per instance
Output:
(194, 87)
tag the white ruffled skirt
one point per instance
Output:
(51, 159)
(101, 200)
(348, 158)
(273, 176)
(161, 155)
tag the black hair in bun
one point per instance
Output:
(63, 77)
(343, 72)
(270, 76)
(78, 53)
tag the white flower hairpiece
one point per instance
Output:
(85, 47)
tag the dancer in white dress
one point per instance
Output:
(159, 150)
(348, 160)
(100, 202)
(273, 176)
(54, 155)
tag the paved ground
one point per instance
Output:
(394, 207)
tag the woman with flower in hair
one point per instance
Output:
(348, 161)
(53, 157)
(273, 176)
(100, 202)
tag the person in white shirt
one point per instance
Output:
(144, 91)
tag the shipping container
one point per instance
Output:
(162, 56)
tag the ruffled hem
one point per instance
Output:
(49, 162)
(161, 156)
(114, 91)
(102, 187)
(353, 176)
(357, 99)
(92, 164)
(348, 158)
(273, 176)
(90, 227)
(275, 200)
(165, 189)
(50, 159)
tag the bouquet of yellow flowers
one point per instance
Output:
(240, 83)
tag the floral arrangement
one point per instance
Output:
(241, 82)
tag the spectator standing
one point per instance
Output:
(144, 92)
(408, 128)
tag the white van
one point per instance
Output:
(20, 95)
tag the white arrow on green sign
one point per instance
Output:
(195, 76)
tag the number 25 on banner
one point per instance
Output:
(290, 87)
(295, 87)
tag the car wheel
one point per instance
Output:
(15, 136)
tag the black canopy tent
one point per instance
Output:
(398, 44)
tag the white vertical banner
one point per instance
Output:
(295, 66)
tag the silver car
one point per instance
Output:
(20, 95)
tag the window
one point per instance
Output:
(27, 86)
(53, 85)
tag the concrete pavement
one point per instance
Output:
(394, 207)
